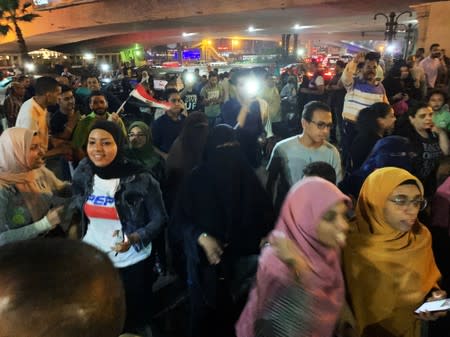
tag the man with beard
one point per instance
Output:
(99, 107)
(433, 65)
(362, 91)
(62, 123)
(83, 93)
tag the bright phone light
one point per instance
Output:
(390, 48)
(190, 78)
(252, 87)
(30, 67)
(104, 67)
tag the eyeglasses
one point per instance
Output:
(322, 125)
(403, 201)
(138, 135)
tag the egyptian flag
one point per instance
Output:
(141, 94)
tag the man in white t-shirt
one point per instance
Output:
(290, 156)
(33, 112)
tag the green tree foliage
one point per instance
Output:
(11, 14)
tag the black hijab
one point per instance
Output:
(121, 166)
(224, 198)
(221, 135)
(187, 150)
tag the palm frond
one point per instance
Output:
(9, 5)
(4, 29)
(28, 17)
(25, 6)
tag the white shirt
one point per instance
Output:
(33, 116)
(105, 229)
(430, 67)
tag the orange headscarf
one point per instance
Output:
(388, 272)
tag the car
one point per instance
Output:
(171, 64)
(293, 66)
(5, 84)
(328, 74)
(7, 71)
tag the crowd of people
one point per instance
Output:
(285, 207)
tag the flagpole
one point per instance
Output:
(121, 108)
(145, 78)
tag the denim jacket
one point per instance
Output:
(138, 202)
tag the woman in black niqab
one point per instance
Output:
(221, 215)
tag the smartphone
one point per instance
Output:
(441, 305)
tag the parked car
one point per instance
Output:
(4, 86)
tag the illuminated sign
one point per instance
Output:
(40, 2)
(54, 4)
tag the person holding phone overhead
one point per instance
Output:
(389, 265)
(248, 114)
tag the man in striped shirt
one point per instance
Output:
(13, 102)
(363, 90)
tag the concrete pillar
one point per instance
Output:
(288, 43)
(433, 24)
(180, 53)
(283, 45)
(295, 44)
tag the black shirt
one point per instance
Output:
(58, 121)
(165, 131)
(191, 101)
(361, 147)
(427, 154)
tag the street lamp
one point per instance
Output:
(409, 37)
(234, 44)
(391, 24)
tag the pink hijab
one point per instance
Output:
(34, 185)
(302, 210)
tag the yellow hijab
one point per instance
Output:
(388, 273)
